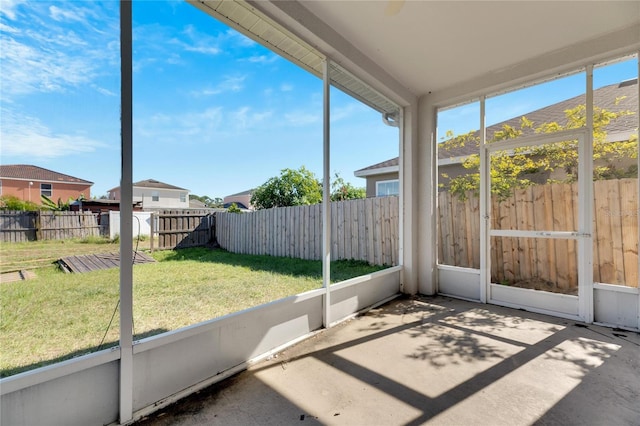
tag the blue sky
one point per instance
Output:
(214, 112)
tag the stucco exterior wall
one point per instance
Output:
(59, 190)
(372, 180)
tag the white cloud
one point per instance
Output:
(285, 87)
(104, 91)
(25, 136)
(263, 59)
(240, 39)
(200, 127)
(8, 29)
(244, 118)
(302, 118)
(180, 128)
(45, 56)
(61, 15)
(27, 69)
(8, 8)
(229, 84)
(346, 111)
(199, 42)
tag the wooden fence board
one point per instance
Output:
(629, 227)
(20, 226)
(183, 228)
(372, 226)
(551, 208)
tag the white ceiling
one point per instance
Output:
(435, 45)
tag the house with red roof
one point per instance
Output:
(28, 183)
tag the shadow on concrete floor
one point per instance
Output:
(433, 360)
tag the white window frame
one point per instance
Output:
(50, 190)
(183, 197)
(155, 196)
(378, 183)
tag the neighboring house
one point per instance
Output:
(155, 195)
(242, 200)
(29, 182)
(382, 178)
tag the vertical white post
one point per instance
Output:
(485, 208)
(585, 209)
(126, 214)
(401, 196)
(326, 199)
(638, 210)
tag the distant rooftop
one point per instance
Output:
(29, 172)
(152, 183)
(614, 97)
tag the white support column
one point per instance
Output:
(485, 208)
(427, 192)
(402, 184)
(126, 214)
(326, 198)
(409, 199)
(585, 209)
(638, 212)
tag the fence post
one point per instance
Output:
(38, 225)
(151, 223)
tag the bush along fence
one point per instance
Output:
(546, 208)
(365, 229)
(19, 226)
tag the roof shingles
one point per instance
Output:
(615, 97)
(29, 172)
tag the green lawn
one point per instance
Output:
(38, 254)
(57, 316)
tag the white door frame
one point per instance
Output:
(580, 307)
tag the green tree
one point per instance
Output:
(341, 190)
(291, 188)
(517, 168)
(207, 201)
(233, 208)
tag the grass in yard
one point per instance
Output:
(37, 254)
(57, 316)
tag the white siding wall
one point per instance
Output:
(168, 198)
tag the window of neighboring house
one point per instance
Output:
(46, 189)
(387, 187)
(183, 197)
(155, 196)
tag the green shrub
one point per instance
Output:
(11, 202)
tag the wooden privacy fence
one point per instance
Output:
(551, 207)
(182, 228)
(365, 229)
(19, 226)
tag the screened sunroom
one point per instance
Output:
(532, 209)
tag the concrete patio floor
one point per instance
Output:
(433, 360)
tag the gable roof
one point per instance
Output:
(247, 192)
(605, 97)
(152, 183)
(29, 172)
